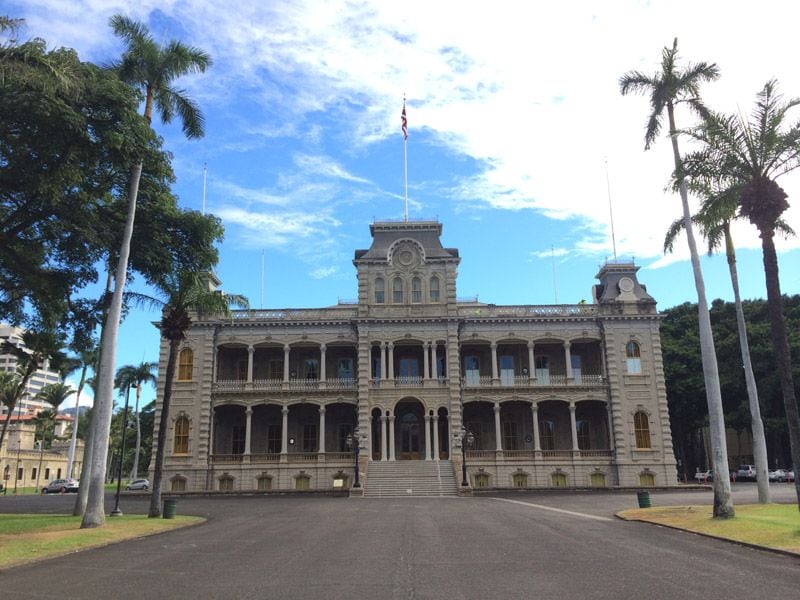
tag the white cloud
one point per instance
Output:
(324, 272)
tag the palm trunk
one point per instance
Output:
(41, 460)
(757, 425)
(780, 348)
(723, 502)
(95, 507)
(74, 440)
(135, 470)
(163, 425)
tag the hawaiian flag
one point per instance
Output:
(404, 121)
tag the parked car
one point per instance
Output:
(777, 475)
(746, 472)
(61, 486)
(138, 484)
(704, 476)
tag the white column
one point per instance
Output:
(322, 374)
(435, 437)
(574, 426)
(495, 376)
(531, 362)
(248, 413)
(391, 360)
(568, 358)
(537, 445)
(383, 361)
(498, 434)
(285, 430)
(391, 438)
(383, 438)
(321, 430)
(250, 352)
(286, 363)
(446, 358)
(434, 374)
(426, 372)
(427, 437)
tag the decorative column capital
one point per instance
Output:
(493, 345)
(572, 407)
(322, 410)
(497, 407)
(248, 411)
(531, 344)
(285, 410)
(251, 348)
(322, 347)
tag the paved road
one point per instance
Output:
(506, 546)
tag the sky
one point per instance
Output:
(519, 141)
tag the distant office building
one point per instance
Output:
(533, 396)
(28, 405)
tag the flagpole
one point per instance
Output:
(611, 213)
(404, 123)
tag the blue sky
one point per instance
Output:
(517, 131)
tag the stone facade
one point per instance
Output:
(541, 396)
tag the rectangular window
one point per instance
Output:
(376, 367)
(273, 438)
(542, 370)
(409, 367)
(237, 442)
(506, 370)
(510, 436)
(344, 368)
(21, 473)
(634, 365)
(310, 437)
(47, 474)
(575, 361)
(472, 370)
(33, 473)
(275, 368)
(311, 368)
(379, 297)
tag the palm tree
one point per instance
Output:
(9, 384)
(54, 394)
(186, 294)
(151, 68)
(668, 88)
(714, 221)
(86, 360)
(750, 155)
(136, 376)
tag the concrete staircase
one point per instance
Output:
(413, 478)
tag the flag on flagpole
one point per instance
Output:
(404, 121)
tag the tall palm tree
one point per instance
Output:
(751, 154)
(714, 221)
(87, 360)
(136, 376)
(151, 68)
(668, 88)
(185, 294)
(53, 394)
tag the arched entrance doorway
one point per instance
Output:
(410, 430)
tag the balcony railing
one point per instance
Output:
(228, 385)
(596, 453)
(552, 379)
(267, 384)
(335, 456)
(556, 454)
(269, 457)
(341, 384)
(228, 458)
(408, 381)
(554, 310)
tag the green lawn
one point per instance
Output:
(770, 525)
(27, 538)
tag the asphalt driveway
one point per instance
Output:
(500, 546)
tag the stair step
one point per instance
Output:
(410, 478)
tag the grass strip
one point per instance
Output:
(769, 525)
(27, 537)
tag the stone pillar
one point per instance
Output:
(435, 437)
(322, 374)
(321, 449)
(445, 373)
(574, 426)
(391, 360)
(568, 358)
(426, 372)
(391, 438)
(531, 363)
(285, 430)
(427, 437)
(248, 413)
(250, 352)
(211, 446)
(434, 374)
(495, 376)
(383, 361)
(498, 434)
(537, 445)
(383, 438)
(286, 363)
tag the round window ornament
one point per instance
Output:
(626, 285)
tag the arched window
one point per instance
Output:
(416, 290)
(519, 480)
(558, 479)
(641, 427)
(397, 291)
(379, 296)
(633, 357)
(434, 290)
(185, 364)
(180, 444)
(597, 479)
(647, 479)
(178, 484)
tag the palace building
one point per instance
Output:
(532, 396)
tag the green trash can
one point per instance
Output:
(170, 504)
(644, 499)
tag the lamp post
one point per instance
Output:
(467, 439)
(16, 475)
(353, 442)
(117, 512)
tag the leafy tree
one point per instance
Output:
(53, 394)
(9, 384)
(185, 293)
(668, 88)
(749, 155)
(136, 376)
(150, 67)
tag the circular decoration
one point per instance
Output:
(405, 257)
(626, 285)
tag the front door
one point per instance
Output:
(409, 437)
